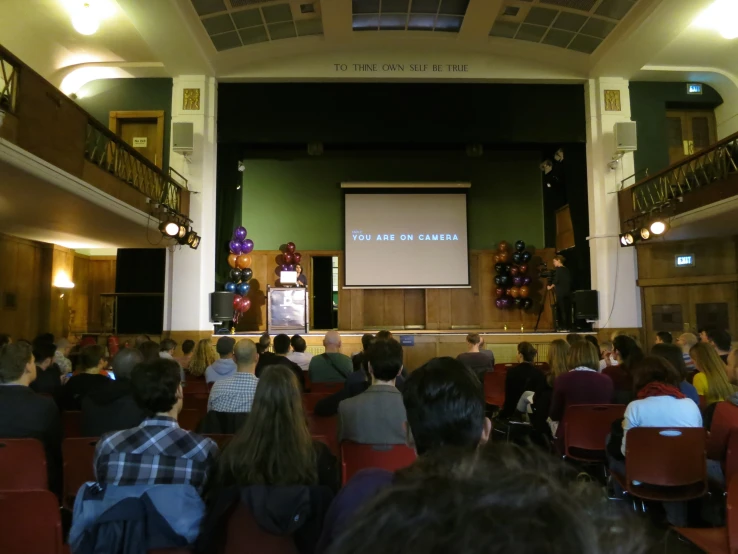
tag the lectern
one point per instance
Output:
(287, 309)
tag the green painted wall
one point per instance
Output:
(103, 96)
(649, 102)
(300, 199)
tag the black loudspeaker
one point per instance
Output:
(140, 271)
(221, 306)
(586, 304)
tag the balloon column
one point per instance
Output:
(288, 259)
(240, 274)
(512, 280)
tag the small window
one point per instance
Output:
(667, 317)
(713, 314)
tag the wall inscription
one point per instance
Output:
(400, 68)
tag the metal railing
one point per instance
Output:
(111, 153)
(696, 172)
(8, 83)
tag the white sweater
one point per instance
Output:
(661, 411)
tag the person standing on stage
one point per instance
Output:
(301, 279)
(561, 285)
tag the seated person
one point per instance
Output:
(279, 357)
(721, 340)
(26, 414)
(445, 409)
(61, 356)
(686, 341)
(112, 407)
(377, 415)
(188, 346)
(274, 463)
(673, 354)
(521, 378)
(235, 394)
(48, 376)
(331, 366)
(478, 362)
(607, 355)
(664, 337)
(558, 352)
(224, 366)
(203, 357)
(158, 451)
(627, 354)
(298, 354)
(712, 381)
(359, 358)
(150, 350)
(92, 361)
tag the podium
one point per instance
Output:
(287, 309)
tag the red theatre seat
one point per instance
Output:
(724, 420)
(78, 454)
(196, 401)
(310, 399)
(190, 419)
(325, 388)
(72, 423)
(30, 523)
(586, 427)
(355, 457)
(502, 368)
(494, 387)
(22, 465)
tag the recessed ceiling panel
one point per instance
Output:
(409, 15)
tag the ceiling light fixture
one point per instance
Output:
(169, 228)
(627, 239)
(645, 234)
(85, 19)
(720, 16)
(658, 227)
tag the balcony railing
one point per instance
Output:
(8, 83)
(653, 193)
(111, 153)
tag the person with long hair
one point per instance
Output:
(203, 357)
(558, 351)
(627, 353)
(712, 381)
(673, 354)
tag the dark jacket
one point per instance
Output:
(47, 380)
(270, 358)
(521, 378)
(79, 386)
(562, 280)
(110, 408)
(222, 423)
(27, 415)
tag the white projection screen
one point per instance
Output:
(407, 239)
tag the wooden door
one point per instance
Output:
(144, 131)
(689, 131)
(713, 305)
(665, 309)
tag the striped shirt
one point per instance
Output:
(157, 452)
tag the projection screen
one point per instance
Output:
(407, 239)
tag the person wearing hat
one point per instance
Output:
(225, 366)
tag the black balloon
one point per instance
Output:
(498, 280)
(236, 275)
(517, 257)
(520, 246)
(247, 274)
(527, 303)
(508, 267)
(504, 280)
(519, 302)
(499, 268)
(526, 256)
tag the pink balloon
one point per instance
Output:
(297, 256)
(290, 247)
(288, 258)
(245, 304)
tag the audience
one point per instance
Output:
(558, 352)
(203, 357)
(582, 384)
(61, 356)
(331, 366)
(265, 341)
(157, 451)
(5, 339)
(92, 360)
(140, 340)
(184, 360)
(664, 337)
(732, 366)
(26, 414)
(607, 355)
(298, 354)
(167, 348)
(359, 359)
(572, 338)
(224, 366)
(686, 341)
(673, 354)
(712, 381)
(235, 394)
(521, 378)
(721, 341)
(594, 341)
(279, 357)
(377, 415)
(477, 361)
(112, 407)
(48, 376)
(627, 353)
(150, 350)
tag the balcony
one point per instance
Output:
(703, 179)
(44, 122)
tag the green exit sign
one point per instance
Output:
(684, 260)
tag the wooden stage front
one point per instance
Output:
(431, 344)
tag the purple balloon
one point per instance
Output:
(518, 281)
(239, 233)
(527, 281)
(247, 246)
(285, 267)
(500, 305)
(235, 246)
(290, 267)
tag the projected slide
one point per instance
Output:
(406, 240)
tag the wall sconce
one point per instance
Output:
(62, 281)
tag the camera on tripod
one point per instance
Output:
(544, 272)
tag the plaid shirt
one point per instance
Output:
(157, 452)
(234, 393)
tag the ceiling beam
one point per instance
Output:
(337, 20)
(646, 30)
(480, 15)
(169, 29)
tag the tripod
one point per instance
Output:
(554, 311)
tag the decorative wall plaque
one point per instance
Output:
(612, 100)
(191, 99)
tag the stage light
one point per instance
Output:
(170, 228)
(195, 242)
(627, 239)
(721, 16)
(658, 227)
(645, 234)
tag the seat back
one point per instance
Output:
(326, 388)
(243, 530)
(310, 399)
(189, 419)
(72, 423)
(731, 457)
(22, 466)
(494, 387)
(503, 367)
(355, 457)
(666, 456)
(195, 401)
(325, 430)
(30, 522)
(79, 455)
(586, 426)
(731, 515)
(724, 420)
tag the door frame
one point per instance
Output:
(687, 134)
(318, 253)
(115, 118)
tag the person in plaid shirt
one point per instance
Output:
(236, 393)
(158, 451)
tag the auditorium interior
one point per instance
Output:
(603, 131)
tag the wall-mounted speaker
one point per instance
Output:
(183, 137)
(586, 304)
(626, 138)
(221, 306)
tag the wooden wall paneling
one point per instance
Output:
(414, 305)
(394, 308)
(79, 298)
(465, 310)
(702, 294)
(664, 295)
(101, 281)
(21, 276)
(426, 347)
(486, 284)
(374, 308)
(713, 257)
